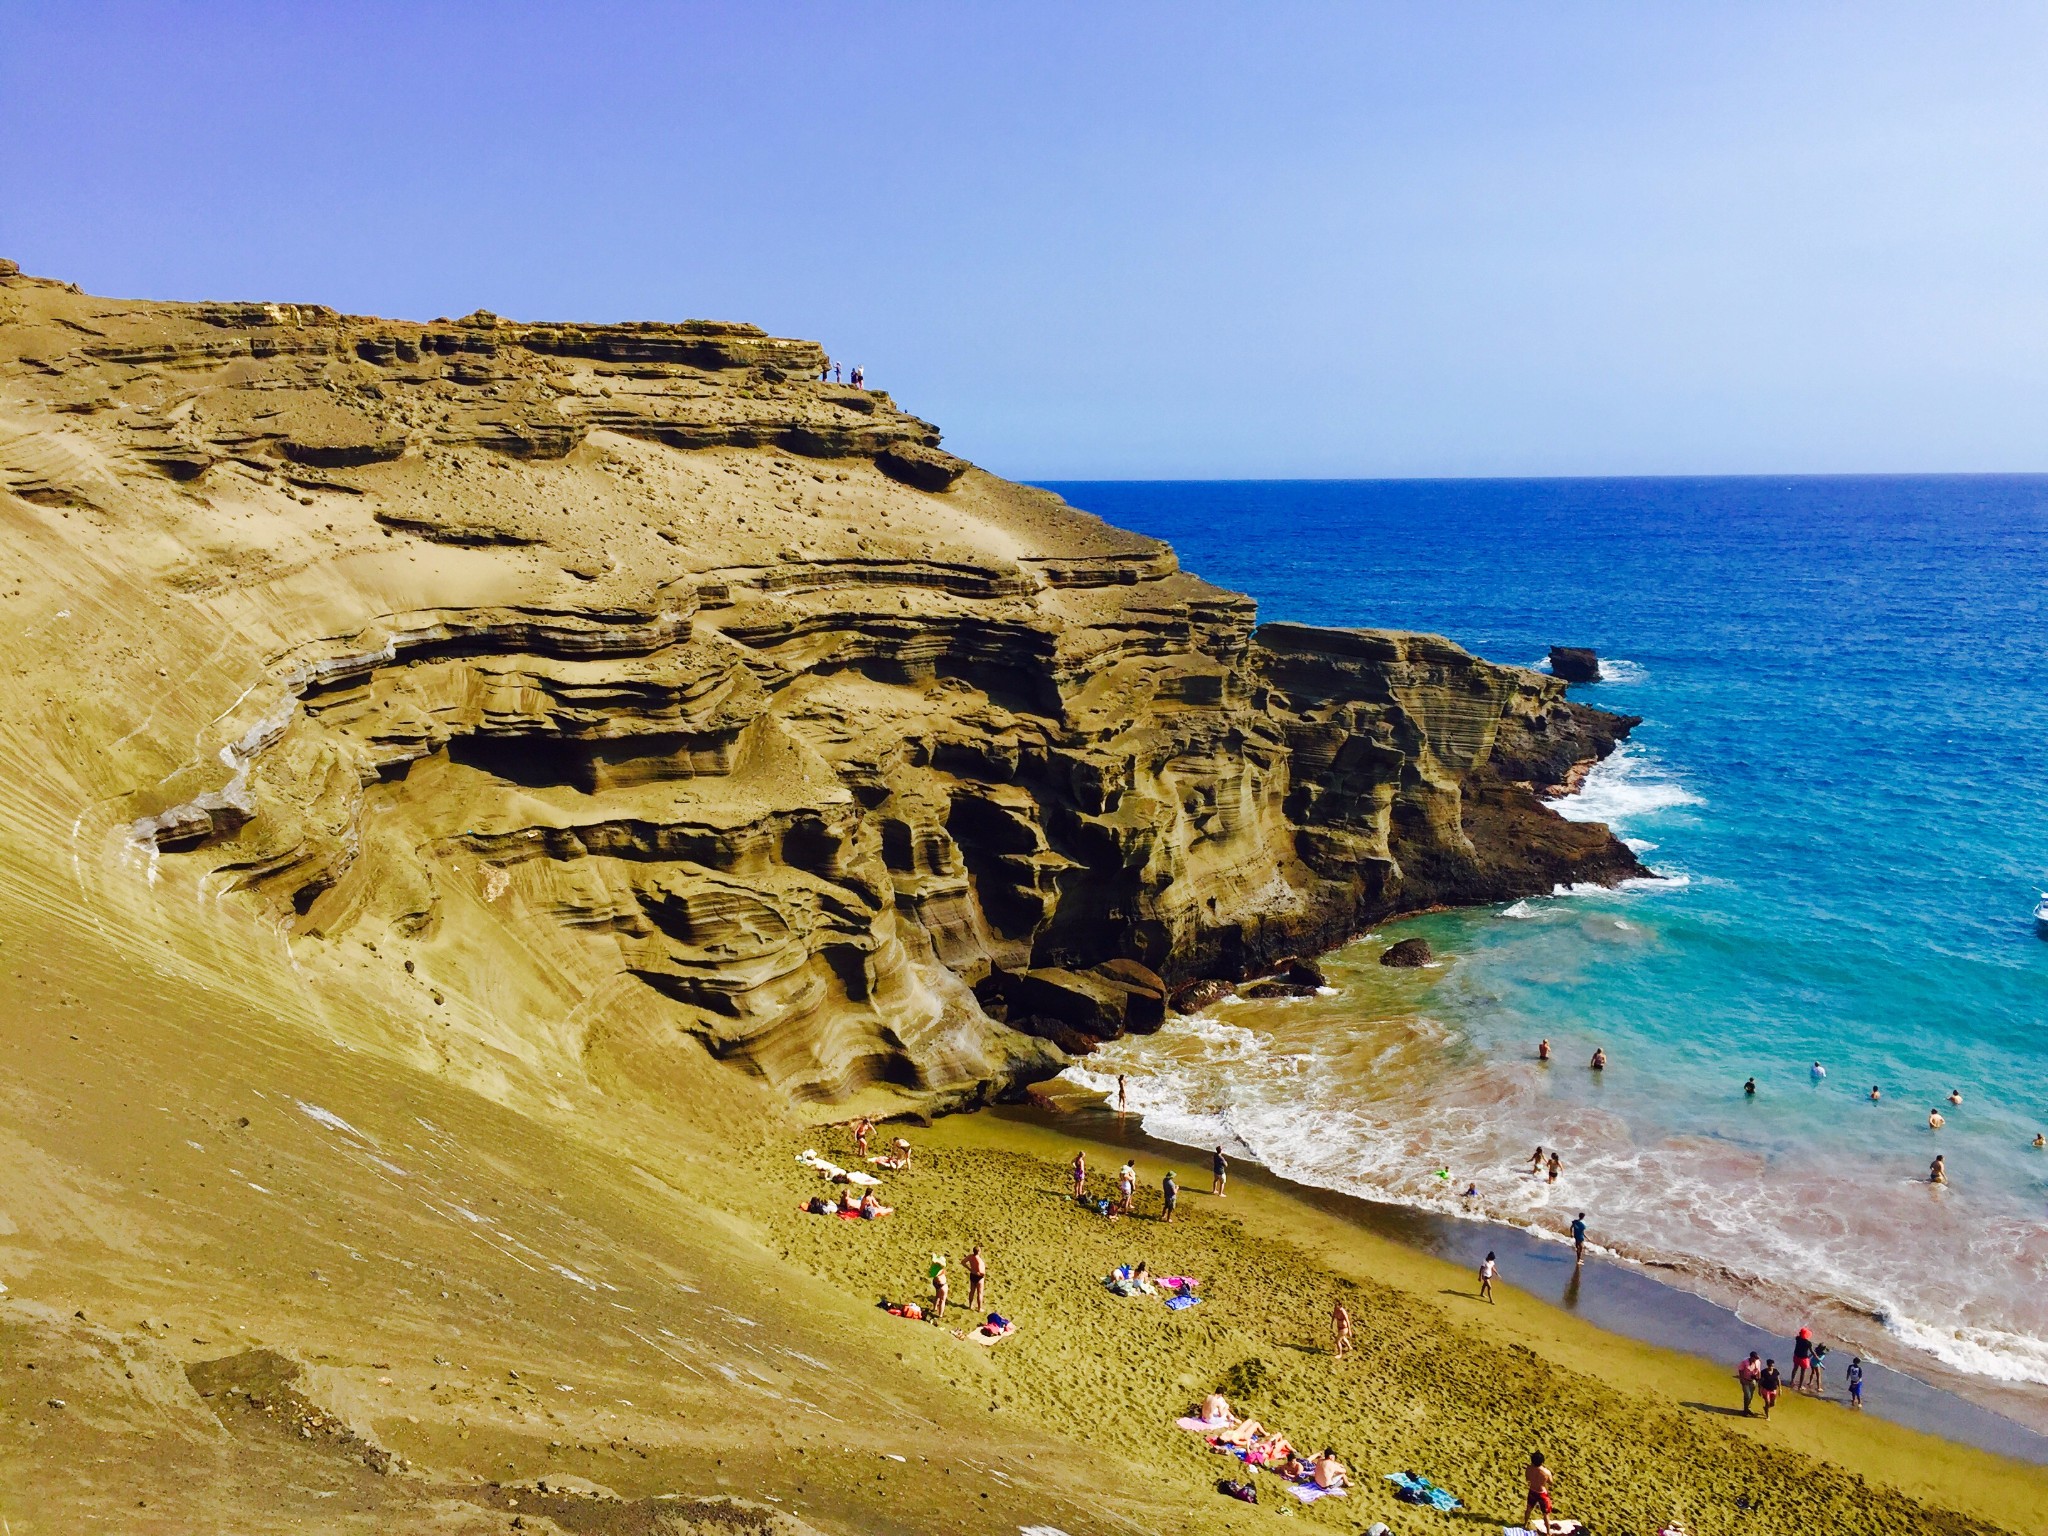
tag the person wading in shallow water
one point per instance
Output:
(1555, 1167)
(1543, 1050)
(1579, 1238)
(1123, 1095)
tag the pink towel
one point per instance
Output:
(1196, 1426)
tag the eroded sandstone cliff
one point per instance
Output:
(568, 693)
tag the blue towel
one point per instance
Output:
(1426, 1492)
(1181, 1303)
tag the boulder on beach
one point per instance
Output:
(1266, 991)
(1574, 663)
(1194, 996)
(1407, 954)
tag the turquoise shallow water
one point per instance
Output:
(1843, 771)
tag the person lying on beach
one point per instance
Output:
(1328, 1471)
(1242, 1434)
(892, 1164)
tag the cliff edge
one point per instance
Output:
(555, 699)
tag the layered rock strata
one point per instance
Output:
(559, 682)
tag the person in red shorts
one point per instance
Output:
(1539, 1489)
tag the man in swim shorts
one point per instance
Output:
(1539, 1480)
(1579, 1238)
(977, 1278)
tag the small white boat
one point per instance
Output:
(2041, 915)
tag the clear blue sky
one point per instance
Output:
(1132, 240)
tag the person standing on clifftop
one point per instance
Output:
(835, 373)
(860, 379)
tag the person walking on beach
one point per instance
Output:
(1767, 1384)
(1746, 1375)
(1488, 1268)
(1080, 1175)
(977, 1277)
(1802, 1357)
(1555, 1166)
(1221, 1168)
(1815, 1367)
(1539, 1480)
(1169, 1191)
(1855, 1378)
(863, 1128)
(1579, 1238)
(937, 1274)
(1340, 1329)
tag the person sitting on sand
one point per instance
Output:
(1216, 1409)
(1934, 1120)
(1328, 1471)
(1290, 1466)
(1937, 1171)
(1340, 1327)
(870, 1207)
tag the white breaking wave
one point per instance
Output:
(1627, 786)
(1612, 670)
(1376, 1108)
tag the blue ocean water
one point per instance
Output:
(1843, 769)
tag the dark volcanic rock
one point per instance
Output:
(1197, 995)
(1266, 991)
(1407, 954)
(1574, 663)
(1300, 973)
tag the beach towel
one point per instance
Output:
(1178, 1282)
(1181, 1303)
(1411, 1488)
(858, 1178)
(1195, 1426)
(1308, 1492)
(981, 1335)
(880, 1212)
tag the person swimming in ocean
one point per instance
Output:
(1874, 1094)
(1955, 1096)
(2040, 1140)
(1599, 1060)
(1554, 1167)
(1536, 1161)
(1817, 1072)
(1934, 1120)
(1749, 1089)
(1543, 1050)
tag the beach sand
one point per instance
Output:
(1440, 1383)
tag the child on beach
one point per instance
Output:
(1488, 1268)
(1856, 1382)
(1768, 1382)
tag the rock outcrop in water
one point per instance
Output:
(593, 692)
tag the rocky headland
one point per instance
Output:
(596, 680)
